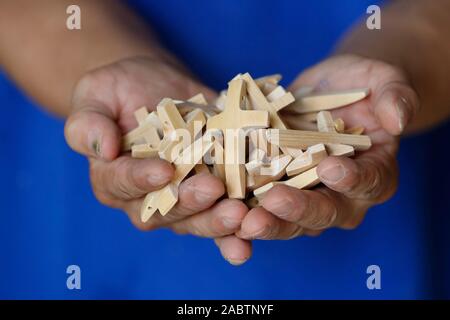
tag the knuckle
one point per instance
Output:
(179, 231)
(373, 189)
(378, 180)
(266, 229)
(313, 233)
(85, 87)
(196, 230)
(287, 203)
(189, 227)
(98, 188)
(354, 220)
(299, 212)
(102, 197)
(386, 193)
(351, 223)
(324, 220)
(381, 185)
(323, 212)
(296, 232)
(301, 205)
(122, 179)
(269, 232)
(94, 86)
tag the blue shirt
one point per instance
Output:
(49, 218)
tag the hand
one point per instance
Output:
(352, 186)
(104, 101)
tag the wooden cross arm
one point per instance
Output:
(304, 139)
(145, 133)
(305, 180)
(164, 199)
(326, 101)
(254, 119)
(170, 116)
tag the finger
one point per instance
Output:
(312, 233)
(126, 178)
(394, 105)
(308, 209)
(350, 212)
(92, 131)
(261, 224)
(371, 177)
(315, 210)
(222, 219)
(195, 194)
(235, 250)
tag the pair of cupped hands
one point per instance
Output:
(105, 99)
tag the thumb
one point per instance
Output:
(394, 105)
(92, 131)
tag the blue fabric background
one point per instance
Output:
(50, 219)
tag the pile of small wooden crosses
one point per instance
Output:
(241, 138)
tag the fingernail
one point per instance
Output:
(157, 179)
(96, 147)
(333, 174)
(230, 223)
(95, 142)
(401, 107)
(235, 262)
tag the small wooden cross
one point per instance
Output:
(231, 121)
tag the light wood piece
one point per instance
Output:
(325, 123)
(339, 125)
(164, 199)
(259, 102)
(311, 158)
(307, 179)
(336, 149)
(231, 121)
(272, 79)
(199, 99)
(355, 130)
(145, 133)
(304, 139)
(142, 151)
(326, 101)
(219, 161)
(273, 172)
(169, 115)
(140, 115)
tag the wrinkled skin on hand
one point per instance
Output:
(104, 102)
